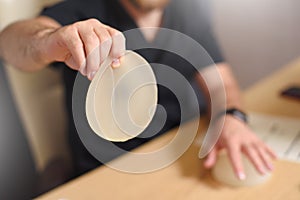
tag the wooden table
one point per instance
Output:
(186, 178)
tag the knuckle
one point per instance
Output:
(119, 36)
(122, 37)
(92, 39)
(69, 30)
(106, 42)
(104, 35)
(76, 44)
(112, 31)
(77, 24)
(248, 146)
(93, 21)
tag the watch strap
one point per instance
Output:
(237, 114)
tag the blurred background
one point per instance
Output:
(256, 37)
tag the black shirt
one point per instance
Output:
(189, 17)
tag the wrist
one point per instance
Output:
(235, 113)
(42, 45)
(238, 114)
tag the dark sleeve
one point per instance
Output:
(64, 13)
(206, 36)
(196, 15)
(209, 43)
(71, 11)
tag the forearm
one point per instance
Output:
(21, 43)
(233, 94)
(220, 88)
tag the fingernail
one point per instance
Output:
(241, 176)
(270, 166)
(116, 63)
(91, 75)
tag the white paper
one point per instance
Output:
(282, 134)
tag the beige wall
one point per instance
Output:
(257, 36)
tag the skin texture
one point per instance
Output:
(85, 44)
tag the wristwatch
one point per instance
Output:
(238, 114)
